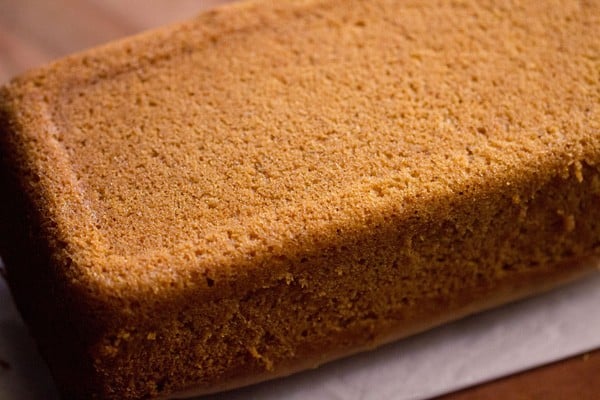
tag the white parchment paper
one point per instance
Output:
(479, 348)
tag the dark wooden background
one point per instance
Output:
(33, 32)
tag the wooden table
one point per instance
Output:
(33, 32)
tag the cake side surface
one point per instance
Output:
(187, 190)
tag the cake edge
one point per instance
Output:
(579, 268)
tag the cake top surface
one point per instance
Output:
(256, 125)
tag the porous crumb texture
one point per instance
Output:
(272, 185)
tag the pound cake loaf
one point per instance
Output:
(273, 185)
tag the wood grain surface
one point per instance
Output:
(33, 32)
(575, 378)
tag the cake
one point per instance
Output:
(273, 185)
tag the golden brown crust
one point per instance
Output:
(573, 269)
(218, 201)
